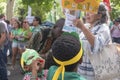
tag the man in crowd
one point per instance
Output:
(3, 70)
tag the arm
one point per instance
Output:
(97, 40)
(37, 66)
(28, 36)
(87, 33)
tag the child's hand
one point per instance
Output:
(38, 64)
(34, 65)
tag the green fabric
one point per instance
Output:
(29, 53)
(36, 29)
(23, 32)
(74, 34)
(67, 75)
(16, 32)
(111, 24)
(26, 32)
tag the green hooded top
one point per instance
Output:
(67, 75)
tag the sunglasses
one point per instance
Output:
(25, 22)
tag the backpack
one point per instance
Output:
(38, 40)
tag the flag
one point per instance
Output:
(107, 3)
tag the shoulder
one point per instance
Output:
(102, 27)
(82, 78)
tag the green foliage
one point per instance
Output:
(2, 0)
(1, 9)
(39, 7)
(2, 6)
(115, 13)
(46, 8)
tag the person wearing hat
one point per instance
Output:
(115, 31)
(66, 54)
(3, 70)
(33, 64)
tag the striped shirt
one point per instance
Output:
(102, 37)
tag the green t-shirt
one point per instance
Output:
(36, 29)
(16, 32)
(23, 33)
(67, 75)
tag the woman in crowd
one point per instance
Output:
(93, 38)
(15, 44)
(25, 35)
(115, 31)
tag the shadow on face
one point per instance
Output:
(57, 29)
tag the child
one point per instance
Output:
(32, 63)
(67, 54)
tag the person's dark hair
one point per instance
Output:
(60, 23)
(38, 19)
(57, 29)
(1, 16)
(117, 20)
(64, 48)
(7, 21)
(104, 12)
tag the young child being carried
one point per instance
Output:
(33, 64)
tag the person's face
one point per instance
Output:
(35, 22)
(2, 38)
(15, 24)
(37, 64)
(117, 23)
(56, 31)
(25, 24)
(91, 17)
(12, 21)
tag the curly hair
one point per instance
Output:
(65, 48)
(104, 12)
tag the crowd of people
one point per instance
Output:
(48, 53)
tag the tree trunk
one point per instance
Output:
(9, 9)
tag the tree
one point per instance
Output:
(2, 6)
(9, 9)
(115, 13)
(39, 7)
